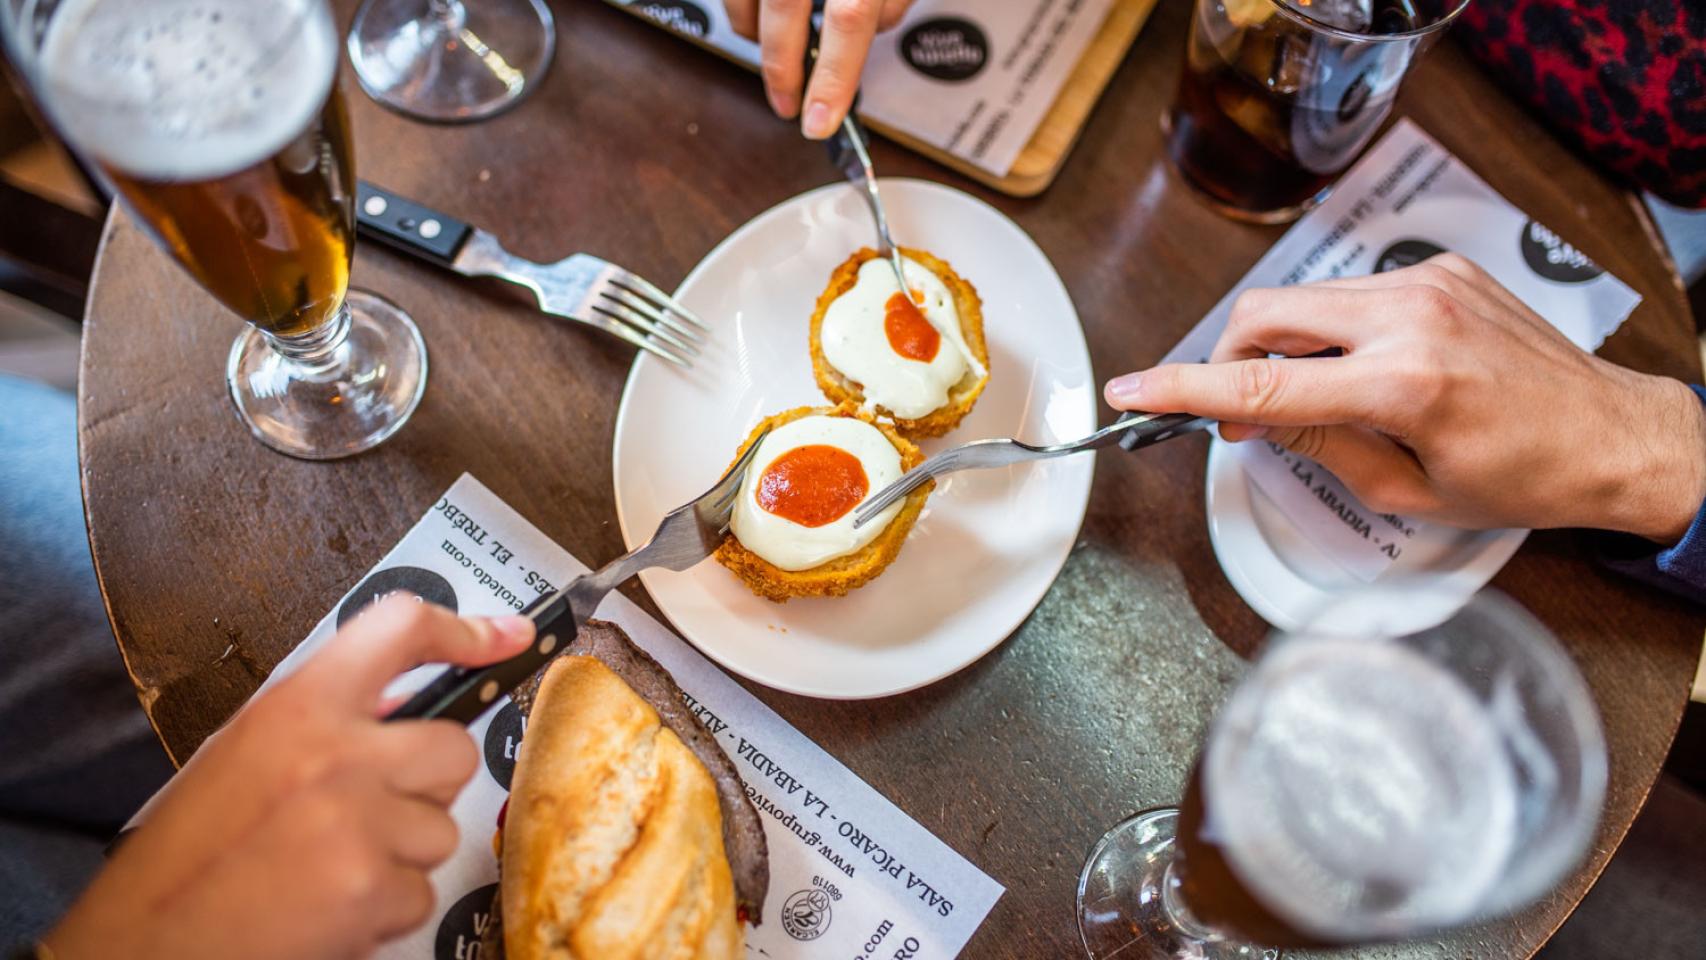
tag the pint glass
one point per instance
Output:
(1277, 97)
(219, 124)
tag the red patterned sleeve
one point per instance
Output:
(1624, 81)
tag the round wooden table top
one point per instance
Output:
(216, 555)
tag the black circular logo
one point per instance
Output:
(464, 924)
(1405, 253)
(1548, 255)
(946, 48)
(503, 740)
(682, 16)
(1355, 99)
(415, 581)
(805, 915)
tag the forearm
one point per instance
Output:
(1661, 463)
(1679, 565)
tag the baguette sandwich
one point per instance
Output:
(628, 833)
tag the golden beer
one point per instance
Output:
(220, 127)
(272, 241)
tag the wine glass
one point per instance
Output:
(219, 125)
(1363, 788)
(448, 60)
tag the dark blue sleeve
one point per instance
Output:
(1681, 569)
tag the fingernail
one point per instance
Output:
(785, 105)
(1123, 391)
(817, 124)
(513, 631)
(1240, 432)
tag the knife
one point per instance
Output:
(850, 153)
(687, 535)
(580, 287)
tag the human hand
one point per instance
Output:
(781, 28)
(306, 827)
(1452, 401)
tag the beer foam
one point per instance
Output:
(186, 89)
(1361, 790)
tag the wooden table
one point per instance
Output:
(216, 555)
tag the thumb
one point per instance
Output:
(1383, 475)
(401, 633)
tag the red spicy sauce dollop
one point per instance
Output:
(910, 335)
(812, 485)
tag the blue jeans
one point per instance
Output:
(76, 754)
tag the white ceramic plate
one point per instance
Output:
(1287, 579)
(989, 543)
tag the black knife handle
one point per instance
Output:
(407, 225)
(1165, 426)
(463, 693)
(814, 41)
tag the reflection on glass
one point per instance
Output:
(1363, 789)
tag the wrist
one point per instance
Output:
(1665, 469)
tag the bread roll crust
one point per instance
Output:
(613, 845)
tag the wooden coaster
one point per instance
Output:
(1041, 159)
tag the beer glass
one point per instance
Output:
(1277, 97)
(1363, 788)
(219, 124)
(448, 60)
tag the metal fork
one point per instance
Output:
(1130, 433)
(687, 535)
(582, 287)
(595, 292)
(850, 153)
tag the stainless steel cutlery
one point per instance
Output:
(687, 535)
(1130, 433)
(580, 287)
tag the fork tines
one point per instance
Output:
(636, 310)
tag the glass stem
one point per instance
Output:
(317, 350)
(1178, 914)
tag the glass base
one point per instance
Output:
(363, 390)
(1259, 217)
(1126, 906)
(448, 61)
(1241, 214)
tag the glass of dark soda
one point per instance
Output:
(1277, 97)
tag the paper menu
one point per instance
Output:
(970, 77)
(847, 867)
(1405, 200)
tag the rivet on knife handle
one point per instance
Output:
(409, 226)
